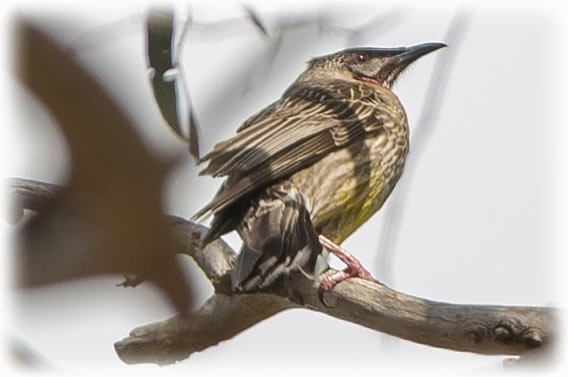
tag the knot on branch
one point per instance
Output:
(532, 338)
(506, 332)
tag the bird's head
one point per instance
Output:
(376, 65)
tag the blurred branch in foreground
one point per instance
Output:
(108, 217)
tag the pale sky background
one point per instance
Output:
(481, 212)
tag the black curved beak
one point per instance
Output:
(414, 52)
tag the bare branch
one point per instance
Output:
(472, 328)
(220, 318)
(216, 260)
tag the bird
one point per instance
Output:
(305, 172)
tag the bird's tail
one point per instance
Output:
(278, 237)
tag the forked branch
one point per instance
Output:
(483, 329)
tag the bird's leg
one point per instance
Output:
(354, 267)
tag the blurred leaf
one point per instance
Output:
(170, 90)
(108, 217)
(159, 33)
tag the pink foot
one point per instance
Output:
(354, 267)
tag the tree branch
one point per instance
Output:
(482, 329)
(490, 330)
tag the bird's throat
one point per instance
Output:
(368, 79)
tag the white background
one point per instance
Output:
(481, 222)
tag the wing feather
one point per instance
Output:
(307, 123)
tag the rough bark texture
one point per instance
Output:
(483, 329)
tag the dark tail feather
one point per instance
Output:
(244, 266)
(278, 237)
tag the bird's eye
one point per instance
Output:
(360, 58)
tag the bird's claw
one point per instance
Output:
(330, 281)
(354, 268)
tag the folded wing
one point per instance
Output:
(306, 124)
